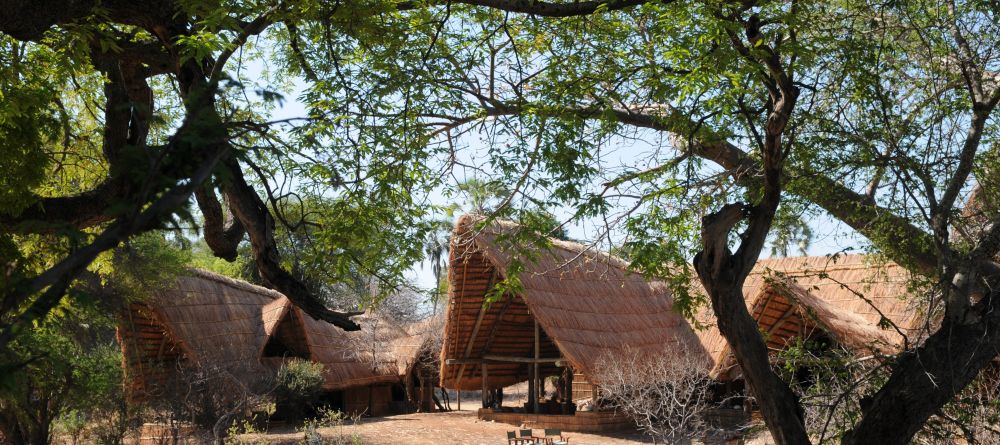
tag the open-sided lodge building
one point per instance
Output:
(576, 304)
(846, 300)
(210, 323)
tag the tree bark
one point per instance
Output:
(721, 274)
(223, 233)
(255, 217)
(924, 380)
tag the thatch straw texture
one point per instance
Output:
(848, 297)
(422, 339)
(584, 301)
(207, 319)
(351, 358)
(588, 304)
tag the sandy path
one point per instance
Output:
(451, 428)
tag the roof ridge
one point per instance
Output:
(233, 282)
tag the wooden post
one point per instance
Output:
(567, 389)
(531, 390)
(534, 374)
(485, 391)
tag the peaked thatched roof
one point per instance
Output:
(584, 301)
(206, 319)
(860, 304)
(421, 344)
(354, 358)
(588, 304)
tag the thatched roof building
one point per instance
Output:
(417, 355)
(859, 304)
(421, 344)
(210, 321)
(582, 303)
(587, 304)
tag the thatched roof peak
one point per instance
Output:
(469, 230)
(234, 283)
(586, 303)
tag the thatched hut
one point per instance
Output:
(576, 304)
(848, 299)
(417, 355)
(208, 321)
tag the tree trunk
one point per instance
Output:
(778, 403)
(923, 381)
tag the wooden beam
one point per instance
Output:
(534, 400)
(479, 320)
(558, 361)
(485, 393)
(475, 332)
(763, 308)
(496, 324)
(784, 317)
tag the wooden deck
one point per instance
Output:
(582, 421)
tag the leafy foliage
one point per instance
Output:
(297, 387)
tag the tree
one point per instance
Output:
(881, 115)
(69, 366)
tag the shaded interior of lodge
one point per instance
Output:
(576, 305)
(209, 323)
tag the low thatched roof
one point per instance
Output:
(585, 302)
(860, 304)
(420, 345)
(208, 320)
(354, 358)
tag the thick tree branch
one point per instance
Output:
(254, 215)
(223, 233)
(141, 218)
(905, 243)
(128, 112)
(723, 273)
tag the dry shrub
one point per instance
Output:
(666, 394)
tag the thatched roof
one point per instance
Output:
(354, 358)
(208, 320)
(421, 344)
(584, 301)
(588, 304)
(855, 301)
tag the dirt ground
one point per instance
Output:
(453, 428)
(459, 427)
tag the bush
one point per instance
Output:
(667, 395)
(329, 418)
(297, 388)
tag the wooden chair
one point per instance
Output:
(512, 439)
(552, 434)
(527, 437)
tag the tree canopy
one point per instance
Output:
(120, 118)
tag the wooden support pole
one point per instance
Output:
(485, 385)
(567, 390)
(531, 391)
(538, 387)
